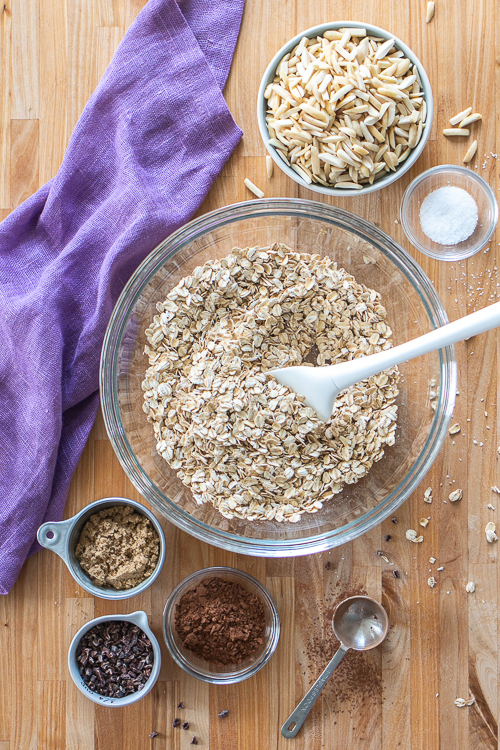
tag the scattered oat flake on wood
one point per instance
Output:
(496, 489)
(428, 495)
(432, 560)
(253, 188)
(491, 507)
(367, 259)
(471, 587)
(490, 532)
(423, 522)
(461, 702)
(431, 582)
(455, 495)
(411, 535)
(454, 429)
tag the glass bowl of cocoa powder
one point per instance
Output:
(221, 625)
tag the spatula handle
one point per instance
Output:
(463, 328)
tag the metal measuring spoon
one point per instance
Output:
(360, 623)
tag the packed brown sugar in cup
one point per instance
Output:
(220, 621)
(118, 547)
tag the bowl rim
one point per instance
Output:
(318, 30)
(138, 618)
(443, 168)
(220, 678)
(109, 359)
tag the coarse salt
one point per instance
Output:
(448, 215)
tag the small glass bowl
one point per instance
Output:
(444, 176)
(203, 670)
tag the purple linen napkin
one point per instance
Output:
(147, 148)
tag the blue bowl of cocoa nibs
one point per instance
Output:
(115, 660)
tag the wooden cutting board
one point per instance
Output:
(443, 641)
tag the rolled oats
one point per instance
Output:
(490, 532)
(235, 436)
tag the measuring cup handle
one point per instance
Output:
(53, 535)
(299, 714)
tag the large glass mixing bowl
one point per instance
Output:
(413, 309)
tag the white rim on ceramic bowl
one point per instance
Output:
(448, 252)
(138, 618)
(121, 341)
(199, 668)
(319, 31)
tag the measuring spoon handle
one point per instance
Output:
(299, 714)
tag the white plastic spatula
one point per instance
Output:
(321, 385)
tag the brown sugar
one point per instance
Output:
(118, 547)
(220, 621)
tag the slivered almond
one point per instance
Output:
(470, 119)
(470, 153)
(431, 7)
(349, 185)
(302, 172)
(384, 49)
(269, 166)
(253, 188)
(456, 131)
(458, 118)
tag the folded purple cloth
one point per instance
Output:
(147, 148)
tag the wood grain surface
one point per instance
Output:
(443, 643)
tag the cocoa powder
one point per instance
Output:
(358, 676)
(220, 621)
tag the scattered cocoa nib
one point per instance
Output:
(395, 573)
(185, 725)
(327, 565)
(176, 723)
(387, 537)
(194, 741)
(181, 705)
(224, 713)
(115, 658)
(154, 734)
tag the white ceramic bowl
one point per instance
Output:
(138, 618)
(319, 31)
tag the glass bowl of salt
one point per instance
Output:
(449, 212)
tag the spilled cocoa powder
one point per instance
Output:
(357, 679)
(220, 621)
